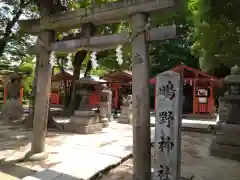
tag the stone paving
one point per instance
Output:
(81, 161)
(79, 157)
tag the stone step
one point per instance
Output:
(126, 110)
(129, 116)
(225, 151)
(84, 113)
(228, 128)
(76, 128)
(84, 121)
(229, 139)
(124, 120)
(103, 120)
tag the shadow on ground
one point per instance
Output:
(17, 138)
(11, 172)
(14, 170)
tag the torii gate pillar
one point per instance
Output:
(140, 92)
(40, 120)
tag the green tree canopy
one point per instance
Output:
(216, 32)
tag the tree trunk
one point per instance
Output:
(78, 60)
(88, 68)
(10, 24)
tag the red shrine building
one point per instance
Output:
(198, 90)
(57, 91)
(118, 81)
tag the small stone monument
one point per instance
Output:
(105, 105)
(84, 120)
(126, 115)
(227, 141)
(13, 109)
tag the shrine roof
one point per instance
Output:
(193, 73)
(190, 73)
(120, 76)
(4, 75)
(58, 77)
(89, 80)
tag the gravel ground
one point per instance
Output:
(196, 160)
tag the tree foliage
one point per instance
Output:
(27, 68)
(216, 32)
(167, 54)
(208, 30)
(13, 44)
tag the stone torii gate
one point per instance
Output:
(138, 13)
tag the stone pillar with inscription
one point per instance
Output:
(109, 110)
(227, 141)
(126, 115)
(105, 105)
(167, 145)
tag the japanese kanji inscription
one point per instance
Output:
(167, 146)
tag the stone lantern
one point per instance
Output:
(13, 108)
(84, 120)
(227, 141)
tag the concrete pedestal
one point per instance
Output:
(126, 115)
(227, 141)
(12, 110)
(85, 122)
(105, 115)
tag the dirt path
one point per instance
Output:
(195, 160)
(122, 172)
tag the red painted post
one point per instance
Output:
(21, 95)
(211, 103)
(155, 99)
(5, 95)
(194, 96)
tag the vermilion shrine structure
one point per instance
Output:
(138, 13)
(57, 82)
(118, 79)
(198, 90)
(115, 80)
